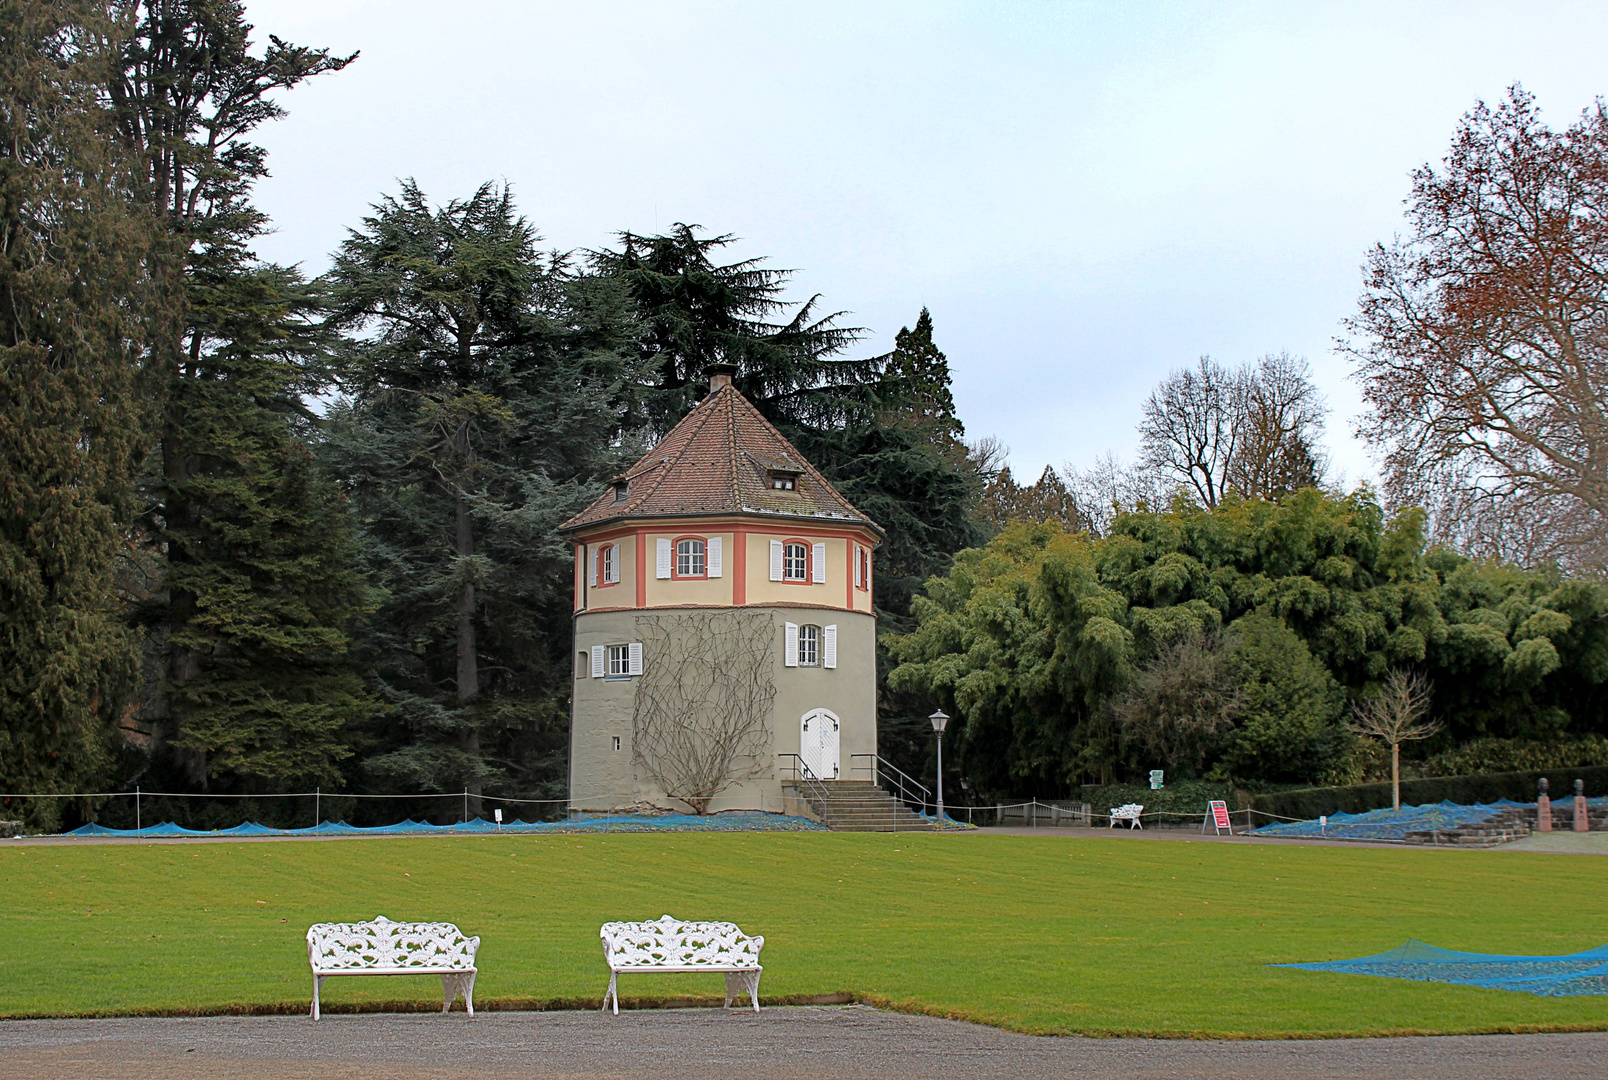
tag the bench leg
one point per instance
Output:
(318, 982)
(612, 992)
(453, 985)
(739, 983)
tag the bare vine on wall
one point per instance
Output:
(704, 702)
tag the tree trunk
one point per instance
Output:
(468, 664)
(183, 664)
(1395, 776)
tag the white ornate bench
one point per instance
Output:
(672, 945)
(1128, 812)
(383, 947)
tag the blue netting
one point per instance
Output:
(1551, 976)
(732, 822)
(1390, 824)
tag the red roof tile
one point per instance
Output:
(718, 460)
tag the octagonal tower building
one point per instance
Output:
(724, 634)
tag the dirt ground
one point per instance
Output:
(842, 1043)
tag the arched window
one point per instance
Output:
(690, 558)
(795, 561)
(609, 564)
(809, 646)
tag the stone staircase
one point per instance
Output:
(856, 806)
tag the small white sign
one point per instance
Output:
(1155, 779)
(497, 814)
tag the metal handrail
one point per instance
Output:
(880, 768)
(815, 790)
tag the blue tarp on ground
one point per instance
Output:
(740, 821)
(1550, 976)
(1390, 824)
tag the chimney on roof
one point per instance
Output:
(720, 376)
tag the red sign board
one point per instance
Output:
(1220, 814)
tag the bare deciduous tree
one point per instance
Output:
(703, 705)
(1190, 431)
(1108, 488)
(1280, 424)
(1483, 336)
(1251, 431)
(1395, 716)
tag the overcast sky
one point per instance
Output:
(1086, 195)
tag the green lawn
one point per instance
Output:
(1040, 934)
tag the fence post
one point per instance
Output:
(136, 808)
(318, 798)
(466, 806)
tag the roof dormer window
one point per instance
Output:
(782, 481)
(621, 487)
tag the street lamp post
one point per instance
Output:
(939, 722)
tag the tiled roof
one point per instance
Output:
(717, 461)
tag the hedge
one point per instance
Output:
(1307, 803)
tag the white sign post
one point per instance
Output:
(1217, 818)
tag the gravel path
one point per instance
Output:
(850, 1043)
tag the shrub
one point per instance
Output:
(1307, 803)
(1490, 755)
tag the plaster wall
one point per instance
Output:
(603, 778)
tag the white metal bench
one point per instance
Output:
(1128, 812)
(383, 947)
(672, 945)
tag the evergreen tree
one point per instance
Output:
(488, 386)
(263, 546)
(253, 594)
(76, 309)
(692, 312)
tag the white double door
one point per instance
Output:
(818, 744)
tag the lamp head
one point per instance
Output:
(940, 720)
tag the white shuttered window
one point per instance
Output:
(713, 562)
(663, 568)
(634, 658)
(829, 646)
(776, 560)
(790, 644)
(597, 662)
(595, 553)
(818, 564)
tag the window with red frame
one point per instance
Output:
(795, 561)
(608, 564)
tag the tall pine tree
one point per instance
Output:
(77, 306)
(248, 616)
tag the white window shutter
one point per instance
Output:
(597, 662)
(854, 553)
(664, 557)
(818, 561)
(776, 560)
(790, 644)
(712, 557)
(596, 553)
(829, 646)
(633, 658)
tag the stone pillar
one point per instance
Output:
(1582, 821)
(1543, 809)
